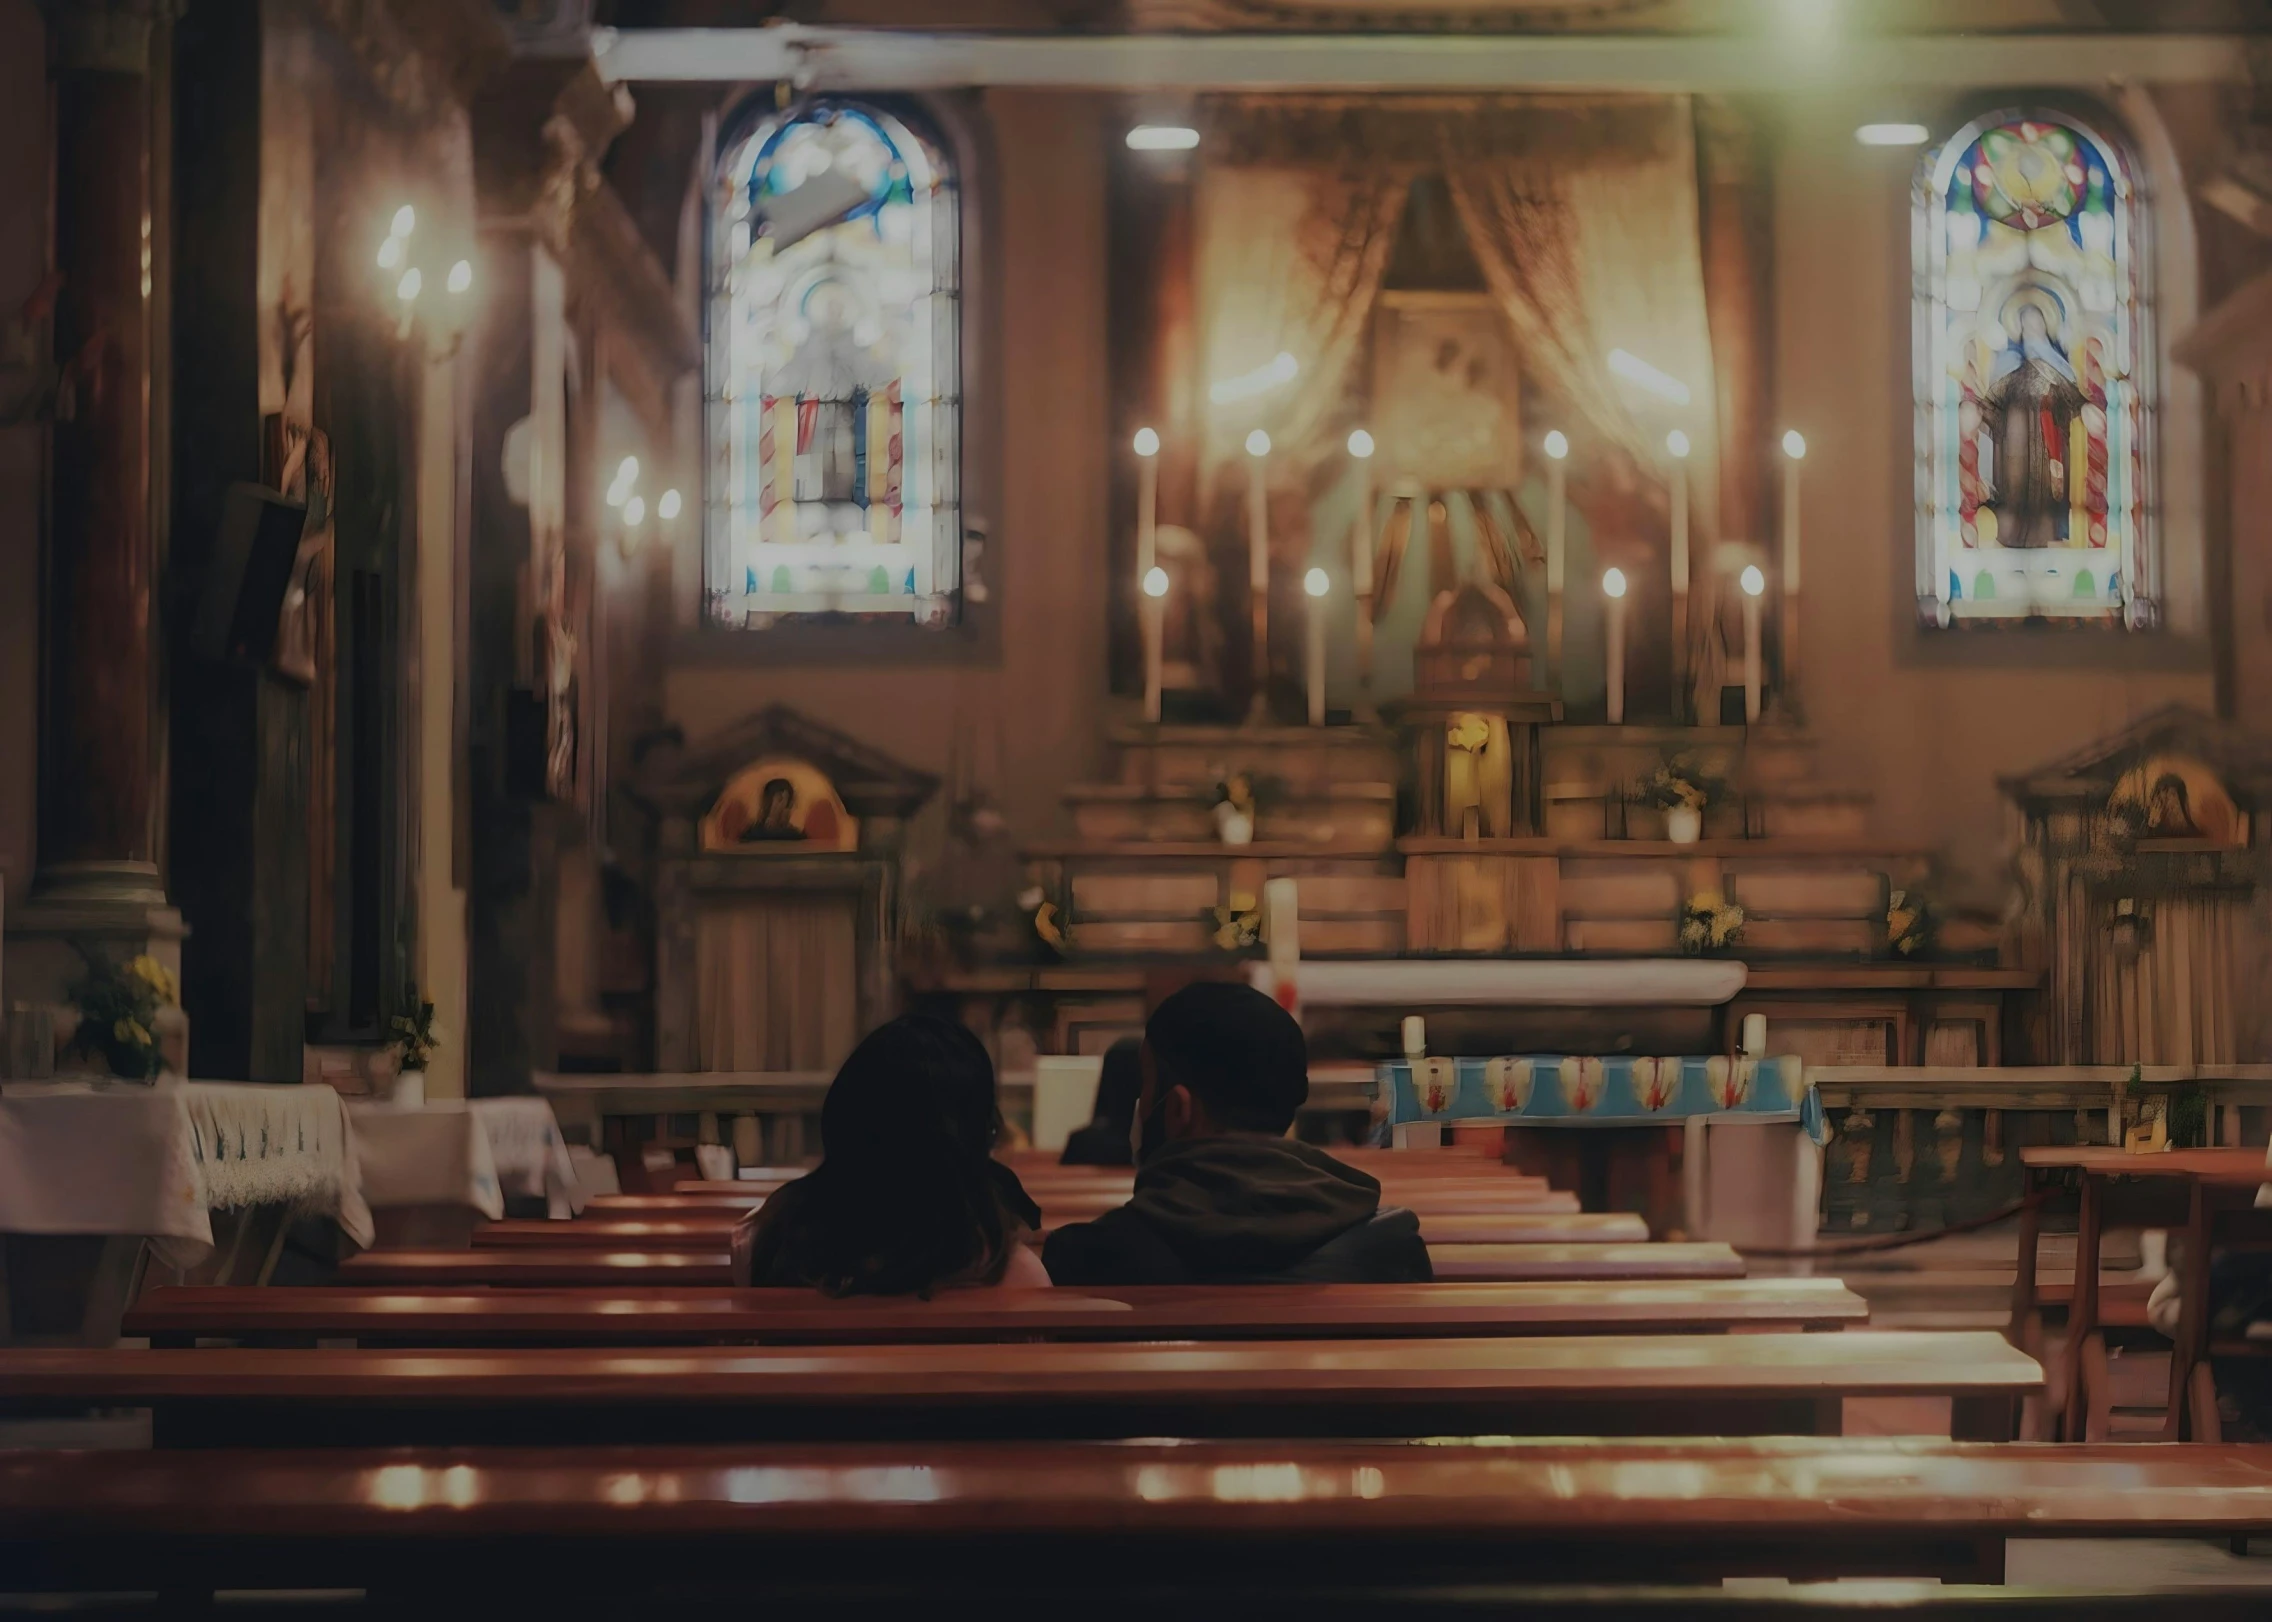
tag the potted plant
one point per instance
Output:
(121, 1012)
(414, 1038)
(1678, 790)
(1709, 923)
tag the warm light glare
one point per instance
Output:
(1754, 583)
(627, 472)
(1676, 442)
(1893, 135)
(1317, 582)
(618, 493)
(1613, 583)
(407, 288)
(1258, 443)
(1641, 374)
(1147, 442)
(461, 275)
(667, 508)
(635, 512)
(390, 253)
(1279, 369)
(1162, 138)
(1795, 445)
(405, 220)
(1155, 581)
(1360, 444)
(1557, 446)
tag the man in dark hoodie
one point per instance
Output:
(1223, 1196)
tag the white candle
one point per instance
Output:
(1676, 446)
(1794, 452)
(1317, 583)
(1415, 1036)
(1754, 1035)
(1147, 501)
(1258, 566)
(1282, 938)
(1754, 583)
(1557, 452)
(1154, 609)
(1361, 553)
(1613, 595)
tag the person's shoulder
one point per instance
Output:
(1025, 1271)
(1119, 1247)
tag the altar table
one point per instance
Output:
(470, 1155)
(1420, 983)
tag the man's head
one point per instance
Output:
(1221, 1057)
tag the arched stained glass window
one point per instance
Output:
(834, 372)
(2033, 364)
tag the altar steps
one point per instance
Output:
(1311, 814)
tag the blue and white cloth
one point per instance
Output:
(1558, 1090)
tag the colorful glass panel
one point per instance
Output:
(834, 373)
(2033, 369)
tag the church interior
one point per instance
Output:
(1655, 614)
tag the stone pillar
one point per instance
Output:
(98, 878)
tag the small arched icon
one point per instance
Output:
(1508, 1083)
(1730, 1081)
(1585, 1079)
(1436, 1081)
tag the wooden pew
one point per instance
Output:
(706, 1233)
(1661, 1385)
(1079, 1204)
(1353, 1529)
(180, 1315)
(563, 1269)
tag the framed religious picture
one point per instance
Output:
(1447, 396)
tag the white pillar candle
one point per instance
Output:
(1613, 604)
(1676, 446)
(1316, 583)
(1361, 553)
(1154, 609)
(1754, 1035)
(1258, 561)
(1147, 501)
(1794, 452)
(1415, 1035)
(1557, 453)
(1754, 583)
(1282, 938)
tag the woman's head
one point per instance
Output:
(914, 1087)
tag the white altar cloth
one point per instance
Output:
(470, 1155)
(98, 1157)
(1417, 983)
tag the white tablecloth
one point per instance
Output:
(468, 1155)
(1420, 983)
(119, 1158)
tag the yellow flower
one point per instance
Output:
(130, 1031)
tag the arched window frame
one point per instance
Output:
(828, 632)
(2144, 600)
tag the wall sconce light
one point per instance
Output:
(397, 259)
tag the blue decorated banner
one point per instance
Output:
(1548, 1090)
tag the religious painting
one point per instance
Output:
(2033, 373)
(780, 805)
(1447, 397)
(2176, 797)
(835, 378)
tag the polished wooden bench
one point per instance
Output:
(1222, 1523)
(1084, 1204)
(705, 1233)
(181, 1315)
(563, 1269)
(1667, 1385)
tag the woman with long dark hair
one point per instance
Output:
(908, 1197)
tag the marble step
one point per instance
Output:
(1168, 758)
(1320, 814)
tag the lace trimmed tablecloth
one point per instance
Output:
(469, 1155)
(118, 1158)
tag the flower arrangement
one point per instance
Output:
(1709, 923)
(412, 1031)
(1238, 926)
(1678, 785)
(1911, 924)
(118, 1012)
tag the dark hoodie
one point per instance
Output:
(1244, 1210)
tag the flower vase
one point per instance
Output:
(409, 1090)
(1684, 824)
(1233, 826)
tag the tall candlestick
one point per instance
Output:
(1557, 452)
(1258, 564)
(1147, 501)
(1317, 583)
(1282, 939)
(1613, 595)
(1361, 555)
(1154, 609)
(1676, 446)
(1794, 452)
(1754, 583)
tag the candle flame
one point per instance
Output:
(1795, 445)
(1613, 583)
(1676, 442)
(1317, 582)
(1147, 442)
(1557, 445)
(1360, 444)
(1753, 581)
(1258, 443)
(1155, 581)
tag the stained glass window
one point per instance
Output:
(2033, 365)
(834, 373)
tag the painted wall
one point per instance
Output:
(1043, 699)
(23, 258)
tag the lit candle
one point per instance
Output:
(1361, 554)
(1415, 1034)
(1754, 583)
(1154, 608)
(1258, 562)
(1317, 583)
(1794, 452)
(1676, 446)
(1282, 939)
(1613, 592)
(1557, 453)
(1147, 501)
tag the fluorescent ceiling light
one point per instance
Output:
(1893, 135)
(1641, 374)
(1261, 380)
(1162, 138)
